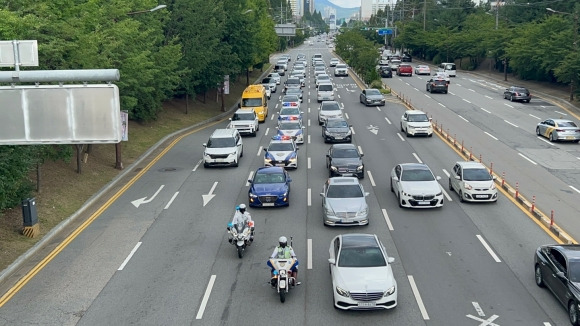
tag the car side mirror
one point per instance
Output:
(390, 260)
(361, 155)
(430, 119)
(265, 149)
(561, 275)
(289, 180)
(404, 119)
(396, 178)
(250, 180)
(367, 193)
(438, 177)
(204, 145)
(494, 177)
(321, 194)
(457, 177)
(331, 261)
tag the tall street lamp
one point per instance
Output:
(574, 73)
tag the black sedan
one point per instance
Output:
(345, 160)
(336, 130)
(557, 267)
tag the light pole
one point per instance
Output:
(146, 11)
(496, 13)
(574, 73)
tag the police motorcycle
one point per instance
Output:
(282, 279)
(241, 236)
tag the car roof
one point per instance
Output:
(343, 146)
(414, 112)
(343, 180)
(359, 240)
(560, 120)
(471, 165)
(270, 169)
(245, 111)
(325, 103)
(414, 166)
(275, 141)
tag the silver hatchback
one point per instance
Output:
(344, 202)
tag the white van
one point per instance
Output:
(325, 93)
(224, 148)
(449, 68)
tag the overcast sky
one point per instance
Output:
(346, 3)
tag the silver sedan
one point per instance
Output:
(344, 202)
(558, 129)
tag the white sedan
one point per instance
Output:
(361, 273)
(422, 70)
(415, 186)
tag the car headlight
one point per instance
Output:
(267, 160)
(342, 292)
(390, 291)
(467, 186)
(328, 210)
(360, 167)
(233, 153)
(369, 100)
(326, 132)
(363, 212)
(410, 127)
(293, 159)
(252, 195)
(333, 168)
(492, 187)
(440, 193)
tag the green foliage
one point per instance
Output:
(376, 83)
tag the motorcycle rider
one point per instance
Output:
(242, 216)
(284, 251)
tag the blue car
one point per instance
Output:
(270, 187)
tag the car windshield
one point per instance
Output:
(361, 257)
(281, 147)
(289, 126)
(269, 178)
(520, 90)
(289, 111)
(417, 175)
(273, 75)
(294, 91)
(574, 270)
(344, 191)
(251, 102)
(345, 153)
(330, 106)
(221, 142)
(267, 81)
(243, 116)
(323, 77)
(566, 124)
(340, 66)
(336, 124)
(476, 175)
(418, 118)
(373, 92)
(293, 81)
(325, 87)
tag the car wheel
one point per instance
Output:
(552, 139)
(402, 130)
(573, 313)
(461, 197)
(362, 175)
(407, 132)
(538, 131)
(400, 201)
(236, 163)
(538, 276)
(450, 185)
(319, 122)
(527, 101)
(445, 92)
(430, 135)
(511, 98)
(392, 189)
(205, 165)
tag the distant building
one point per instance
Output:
(308, 5)
(366, 9)
(379, 5)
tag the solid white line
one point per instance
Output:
(443, 105)
(346, 115)
(493, 255)
(478, 309)
(487, 133)
(371, 179)
(446, 173)
(511, 124)
(562, 113)
(463, 118)
(485, 110)
(172, 199)
(360, 149)
(260, 151)
(352, 130)
(205, 297)
(534, 163)
(309, 139)
(489, 97)
(418, 297)
(575, 189)
(196, 166)
(388, 121)
(533, 116)
(471, 89)
(446, 194)
(250, 178)
(427, 96)
(309, 194)
(267, 131)
(309, 261)
(508, 105)
(466, 100)
(401, 137)
(309, 161)
(417, 158)
(129, 257)
(386, 216)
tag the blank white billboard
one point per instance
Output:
(53, 114)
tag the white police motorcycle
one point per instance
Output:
(241, 236)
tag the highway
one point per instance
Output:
(159, 254)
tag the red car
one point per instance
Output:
(405, 69)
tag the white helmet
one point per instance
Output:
(283, 241)
(242, 206)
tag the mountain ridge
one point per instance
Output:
(341, 12)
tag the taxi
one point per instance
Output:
(281, 152)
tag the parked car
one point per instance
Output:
(344, 202)
(416, 186)
(517, 93)
(372, 96)
(557, 267)
(558, 129)
(361, 273)
(472, 182)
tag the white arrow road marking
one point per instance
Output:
(140, 201)
(129, 257)
(210, 195)
(386, 216)
(309, 261)
(373, 129)
(485, 322)
(172, 199)
(205, 297)
(478, 309)
(488, 248)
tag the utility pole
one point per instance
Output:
(425, 14)
(496, 13)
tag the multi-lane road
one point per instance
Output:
(165, 259)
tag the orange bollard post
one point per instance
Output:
(461, 147)
(491, 168)
(533, 203)
(517, 190)
(502, 179)
(552, 218)
(480, 161)
(470, 153)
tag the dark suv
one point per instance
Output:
(386, 72)
(437, 85)
(517, 93)
(406, 58)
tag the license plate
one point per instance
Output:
(268, 204)
(423, 203)
(338, 137)
(367, 304)
(480, 196)
(219, 160)
(280, 164)
(569, 137)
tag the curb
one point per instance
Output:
(8, 271)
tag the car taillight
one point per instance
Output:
(560, 130)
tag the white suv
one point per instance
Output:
(245, 121)
(224, 148)
(415, 123)
(473, 182)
